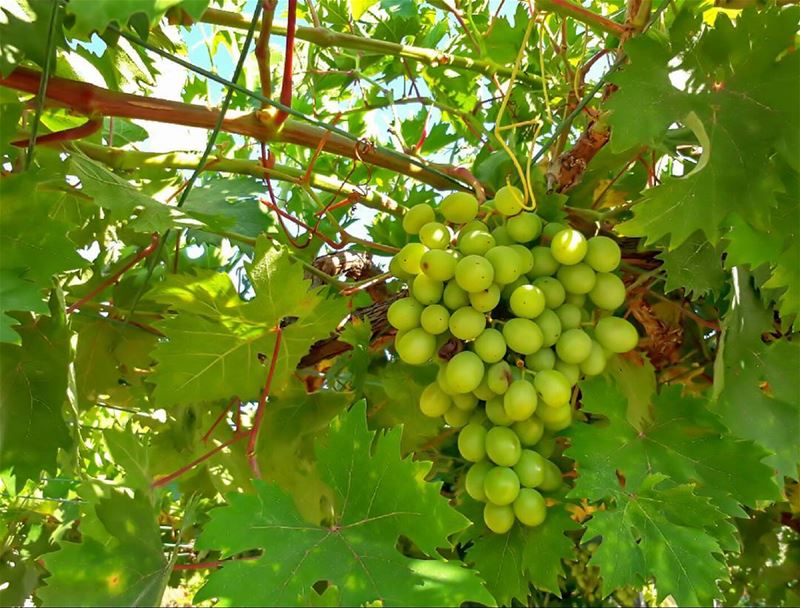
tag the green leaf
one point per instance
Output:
(92, 16)
(132, 455)
(695, 266)
(229, 205)
(359, 7)
(378, 497)
(24, 29)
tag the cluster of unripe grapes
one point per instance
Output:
(515, 311)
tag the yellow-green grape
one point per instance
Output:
(551, 229)
(483, 392)
(553, 387)
(520, 400)
(501, 236)
(554, 293)
(426, 290)
(394, 268)
(459, 207)
(530, 468)
(466, 323)
(416, 347)
(465, 401)
(542, 359)
(498, 377)
(574, 346)
(474, 273)
(616, 335)
(434, 319)
(409, 257)
(576, 299)
(476, 476)
(552, 477)
(503, 446)
(508, 200)
(569, 315)
(509, 289)
(457, 417)
(490, 345)
(602, 254)
(527, 301)
(544, 264)
(529, 431)
(416, 217)
(475, 242)
(546, 446)
(595, 363)
(550, 325)
(498, 518)
(435, 235)
(525, 227)
(608, 292)
(523, 336)
(472, 442)
(473, 225)
(453, 296)
(438, 264)
(571, 371)
(506, 264)
(479, 416)
(404, 314)
(556, 418)
(501, 485)
(526, 258)
(433, 401)
(441, 380)
(496, 413)
(568, 247)
(486, 300)
(578, 278)
(465, 371)
(529, 507)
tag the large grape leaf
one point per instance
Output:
(93, 16)
(24, 28)
(119, 561)
(218, 346)
(694, 266)
(378, 496)
(661, 530)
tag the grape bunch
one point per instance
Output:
(515, 311)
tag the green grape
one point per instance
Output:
(553, 387)
(459, 207)
(453, 296)
(546, 446)
(529, 431)
(498, 377)
(608, 292)
(523, 336)
(483, 392)
(569, 315)
(474, 273)
(465, 371)
(476, 476)
(486, 300)
(570, 371)
(409, 257)
(551, 229)
(553, 290)
(527, 301)
(574, 346)
(501, 485)
(529, 507)
(466, 323)
(526, 258)
(568, 247)
(501, 236)
(509, 289)
(602, 254)
(394, 268)
(441, 380)
(616, 335)
(479, 416)
(595, 363)
(556, 418)
(576, 299)
(438, 264)
(465, 401)
(506, 264)
(544, 264)
(498, 518)
(472, 442)
(520, 400)
(490, 345)
(508, 200)
(542, 359)
(404, 314)
(416, 217)
(550, 325)
(416, 347)
(496, 413)
(426, 290)
(435, 235)
(434, 319)
(476, 242)
(525, 227)
(552, 477)
(433, 401)
(473, 225)
(578, 278)
(503, 446)
(530, 468)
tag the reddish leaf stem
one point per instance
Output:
(214, 564)
(262, 404)
(90, 127)
(234, 402)
(162, 481)
(286, 84)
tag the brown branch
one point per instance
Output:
(262, 49)
(569, 167)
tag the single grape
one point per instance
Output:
(434, 319)
(525, 227)
(556, 418)
(553, 387)
(459, 207)
(576, 299)
(441, 380)
(530, 468)
(501, 236)
(506, 264)
(550, 230)
(466, 323)
(472, 442)
(602, 254)
(496, 412)
(465, 371)
(574, 346)
(416, 217)
(527, 301)
(438, 264)
(486, 300)
(550, 325)
(476, 242)
(526, 259)
(552, 477)
(616, 335)
(433, 401)
(544, 264)
(453, 296)
(523, 336)
(426, 290)
(578, 278)
(498, 377)
(435, 235)
(608, 292)
(490, 345)
(520, 400)
(595, 363)
(546, 446)
(554, 292)
(394, 268)
(498, 518)
(529, 507)
(473, 225)
(569, 315)
(503, 446)
(542, 359)
(404, 314)
(409, 257)
(474, 273)
(509, 289)
(501, 485)
(570, 371)
(476, 476)
(479, 417)
(483, 392)
(508, 200)
(465, 401)
(568, 246)
(416, 347)
(529, 431)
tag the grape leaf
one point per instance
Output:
(228, 205)
(92, 16)
(694, 266)
(378, 497)
(660, 530)
(120, 560)
(24, 28)
(359, 7)
(17, 293)
(131, 455)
